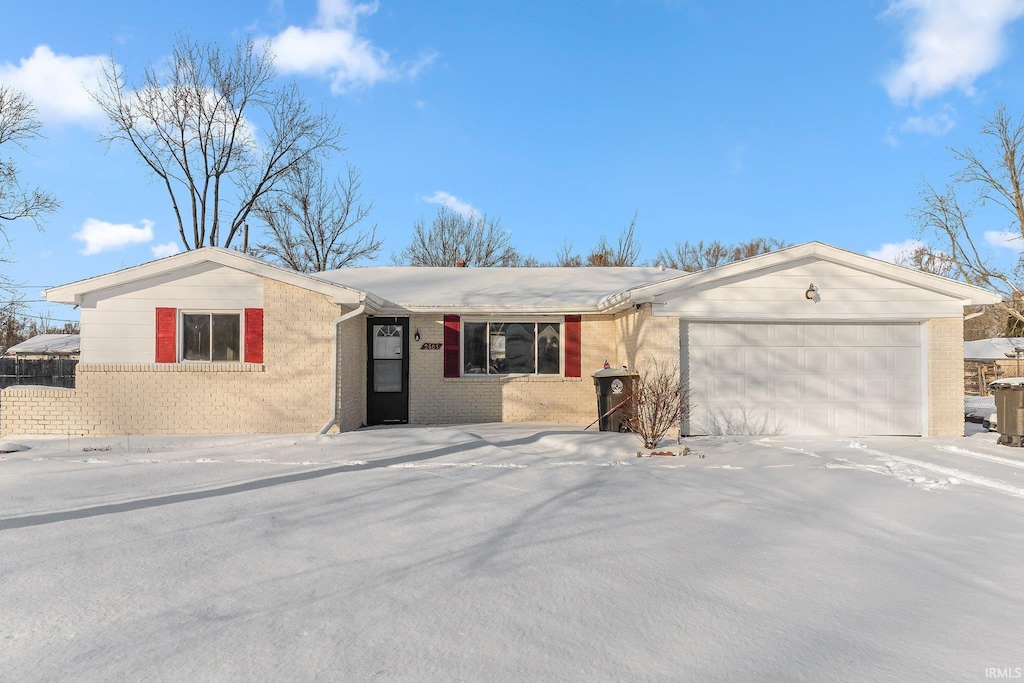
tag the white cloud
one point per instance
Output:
(162, 250)
(332, 47)
(451, 201)
(1005, 239)
(103, 236)
(935, 124)
(891, 251)
(57, 84)
(948, 44)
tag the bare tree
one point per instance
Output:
(192, 123)
(926, 260)
(452, 237)
(314, 224)
(993, 176)
(659, 401)
(626, 252)
(19, 123)
(566, 258)
(694, 257)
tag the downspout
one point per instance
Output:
(334, 375)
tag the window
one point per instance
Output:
(502, 348)
(211, 336)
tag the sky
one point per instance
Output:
(723, 120)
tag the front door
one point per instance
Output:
(387, 371)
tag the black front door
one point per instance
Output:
(387, 370)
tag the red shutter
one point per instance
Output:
(166, 319)
(451, 346)
(254, 335)
(572, 346)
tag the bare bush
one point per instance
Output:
(660, 401)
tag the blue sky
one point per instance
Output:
(714, 120)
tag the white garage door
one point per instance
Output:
(843, 379)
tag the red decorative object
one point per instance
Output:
(166, 337)
(572, 346)
(254, 335)
(451, 346)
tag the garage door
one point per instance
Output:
(803, 378)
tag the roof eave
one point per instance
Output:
(74, 292)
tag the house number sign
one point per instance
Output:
(431, 346)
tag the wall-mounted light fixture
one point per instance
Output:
(416, 337)
(811, 292)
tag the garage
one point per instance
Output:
(811, 340)
(798, 378)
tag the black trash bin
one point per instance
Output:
(614, 387)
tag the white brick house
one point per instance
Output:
(809, 339)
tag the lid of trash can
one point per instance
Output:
(621, 372)
(1008, 382)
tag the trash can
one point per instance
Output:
(614, 387)
(1009, 398)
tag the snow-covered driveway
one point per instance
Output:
(503, 552)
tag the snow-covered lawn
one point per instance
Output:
(502, 552)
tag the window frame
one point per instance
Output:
(180, 341)
(536, 320)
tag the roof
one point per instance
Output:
(74, 292)
(994, 348)
(968, 294)
(489, 290)
(47, 343)
(555, 290)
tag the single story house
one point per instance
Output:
(810, 339)
(46, 346)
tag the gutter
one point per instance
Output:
(334, 374)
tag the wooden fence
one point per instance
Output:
(49, 372)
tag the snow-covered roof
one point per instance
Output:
(994, 348)
(47, 343)
(73, 292)
(969, 294)
(488, 289)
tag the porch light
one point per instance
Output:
(811, 292)
(416, 337)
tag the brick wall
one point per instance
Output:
(352, 373)
(433, 399)
(945, 377)
(643, 338)
(289, 392)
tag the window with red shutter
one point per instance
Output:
(166, 335)
(254, 335)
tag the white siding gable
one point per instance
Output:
(119, 324)
(778, 293)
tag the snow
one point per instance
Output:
(47, 343)
(994, 348)
(509, 552)
(522, 289)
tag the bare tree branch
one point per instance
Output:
(193, 123)
(452, 237)
(694, 257)
(19, 123)
(314, 225)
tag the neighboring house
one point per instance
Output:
(990, 359)
(807, 340)
(46, 346)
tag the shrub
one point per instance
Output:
(660, 401)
